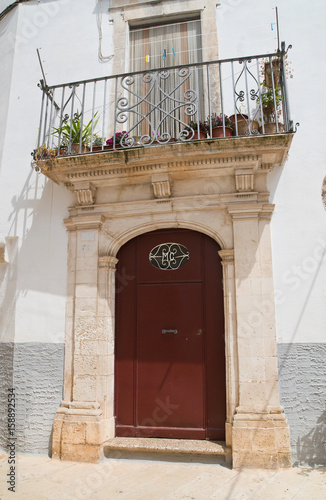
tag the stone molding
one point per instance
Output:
(227, 256)
(118, 4)
(210, 157)
(250, 211)
(108, 261)
(118, 242)
(83, 222)
(80, 405)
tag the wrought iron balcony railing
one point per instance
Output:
(158, 106)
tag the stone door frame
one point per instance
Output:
(211, 190)
(85, 421)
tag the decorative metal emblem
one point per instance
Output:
(169, 256)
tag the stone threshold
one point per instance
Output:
(188, 450)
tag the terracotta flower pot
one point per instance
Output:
(270, 128)
(243, 124)
(202, 135)
(218, 132)
(239, 117)
(276, 73)
(75, 147)
(99, 148)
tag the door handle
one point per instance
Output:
(170, 331)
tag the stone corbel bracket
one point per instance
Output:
(161, 185)
(244, 180)
(85, 192)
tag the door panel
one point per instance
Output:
(170, 365)
(170, 384)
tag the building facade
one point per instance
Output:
(163, 285)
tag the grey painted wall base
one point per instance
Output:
(302, 384)
(35, 370)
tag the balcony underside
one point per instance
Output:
(198, 159)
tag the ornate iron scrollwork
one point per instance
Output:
(169, 256)
(152, 103)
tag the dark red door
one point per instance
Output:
(170, 355)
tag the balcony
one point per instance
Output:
(158, 127)
(245, 97)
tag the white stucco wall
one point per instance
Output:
(299, 221)
(32, 209)
(33, 283)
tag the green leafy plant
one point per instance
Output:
(97, 141)
(268, 104)
(70, 130)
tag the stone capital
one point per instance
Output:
(82, 222)
(108, 262)
(227, 256)
(245, 211)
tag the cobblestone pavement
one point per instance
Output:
(40, 478)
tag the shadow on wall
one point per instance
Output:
(36, 217)
(8, 280)
(32, 287)
(311, 448)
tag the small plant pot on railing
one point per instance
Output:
(96, 149)
(197, 134)
(270, 128)
(241, 122)
(276, 65)
(75, 148)
(218, 132)
(201, 135)
(220, 126)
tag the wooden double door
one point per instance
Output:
(170, 349)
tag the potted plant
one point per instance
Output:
(240, 123)
(194, 126)
(71, 133)
(118, 138)
(270, 111)
(98, 142)
(44, 153)
(267, 72)
(216, 122)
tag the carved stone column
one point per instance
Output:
(227, 257)
(260, 435)
(84, 420)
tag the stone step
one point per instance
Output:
(188, 450)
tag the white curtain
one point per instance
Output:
(160, 47)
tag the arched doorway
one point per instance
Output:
(170, 349)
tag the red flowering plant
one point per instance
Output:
(118, 138)
(217, 121)
(202, 126)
